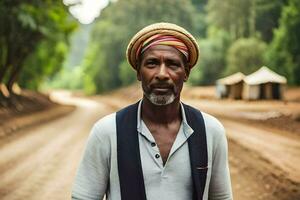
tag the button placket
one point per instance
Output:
(154, 151)
(156, 155)
(151, 145)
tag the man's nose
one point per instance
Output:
(162, 72)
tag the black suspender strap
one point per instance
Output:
(129, 161)
(198, 150)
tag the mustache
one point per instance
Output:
(161, 85)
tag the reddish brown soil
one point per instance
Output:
(40, 161)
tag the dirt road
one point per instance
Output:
(40, 162)
(264, 161)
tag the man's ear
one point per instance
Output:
(187, 73)
(138, 67)
(138, 75)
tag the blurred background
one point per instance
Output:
(63, 66)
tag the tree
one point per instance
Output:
(233, 16)
(45, 61)
(245, 55)
(126, 76)
(60, 62)
(284, 52)
(26, 29)
(200, 16)
(248, 18)
(267, 17)
(212, 60)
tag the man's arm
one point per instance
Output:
(220, 185)
(93, 172)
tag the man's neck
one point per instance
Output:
(164, 114)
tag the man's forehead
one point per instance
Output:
(162, 50)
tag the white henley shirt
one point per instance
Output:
(97, 174)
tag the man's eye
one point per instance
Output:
(151, 63)
(174, 64)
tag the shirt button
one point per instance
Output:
(153, 144)
(157, 155)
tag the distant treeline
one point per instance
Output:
(233, 36)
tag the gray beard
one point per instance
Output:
(160, 100)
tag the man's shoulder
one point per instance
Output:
(212, 122)
(212, 125)
(107, 120)
(105, 126)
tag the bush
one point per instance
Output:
(245, 55)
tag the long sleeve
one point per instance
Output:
(93, 173)
(220, 185)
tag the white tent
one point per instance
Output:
(232, 79)
(230, 86)
(264, 75)
(263, 84)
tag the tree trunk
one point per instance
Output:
(3, 70)
(4, 98)
(13, 77)
(7, 65)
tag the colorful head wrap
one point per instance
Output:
(164, 34)
(159, 39)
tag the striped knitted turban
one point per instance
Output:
(164, 34)
(159, 39)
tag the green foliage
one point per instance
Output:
(245, 55)
(200, 16)
(117, 24)
(95, 68)
(212, 58)
(33, 40)
(267, 17)
(67, 78)
(126, 76)
(284, 52)
(248, 18)
(44, 62)
(233, 36)
(73, 76)
(234, 16)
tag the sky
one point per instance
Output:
(86, 10)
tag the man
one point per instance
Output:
(158, 148)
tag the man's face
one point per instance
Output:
(162, 73)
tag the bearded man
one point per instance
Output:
(158, 148)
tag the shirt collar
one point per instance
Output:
(139, 122)
(188, 131)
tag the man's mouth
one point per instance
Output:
(161, 89)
